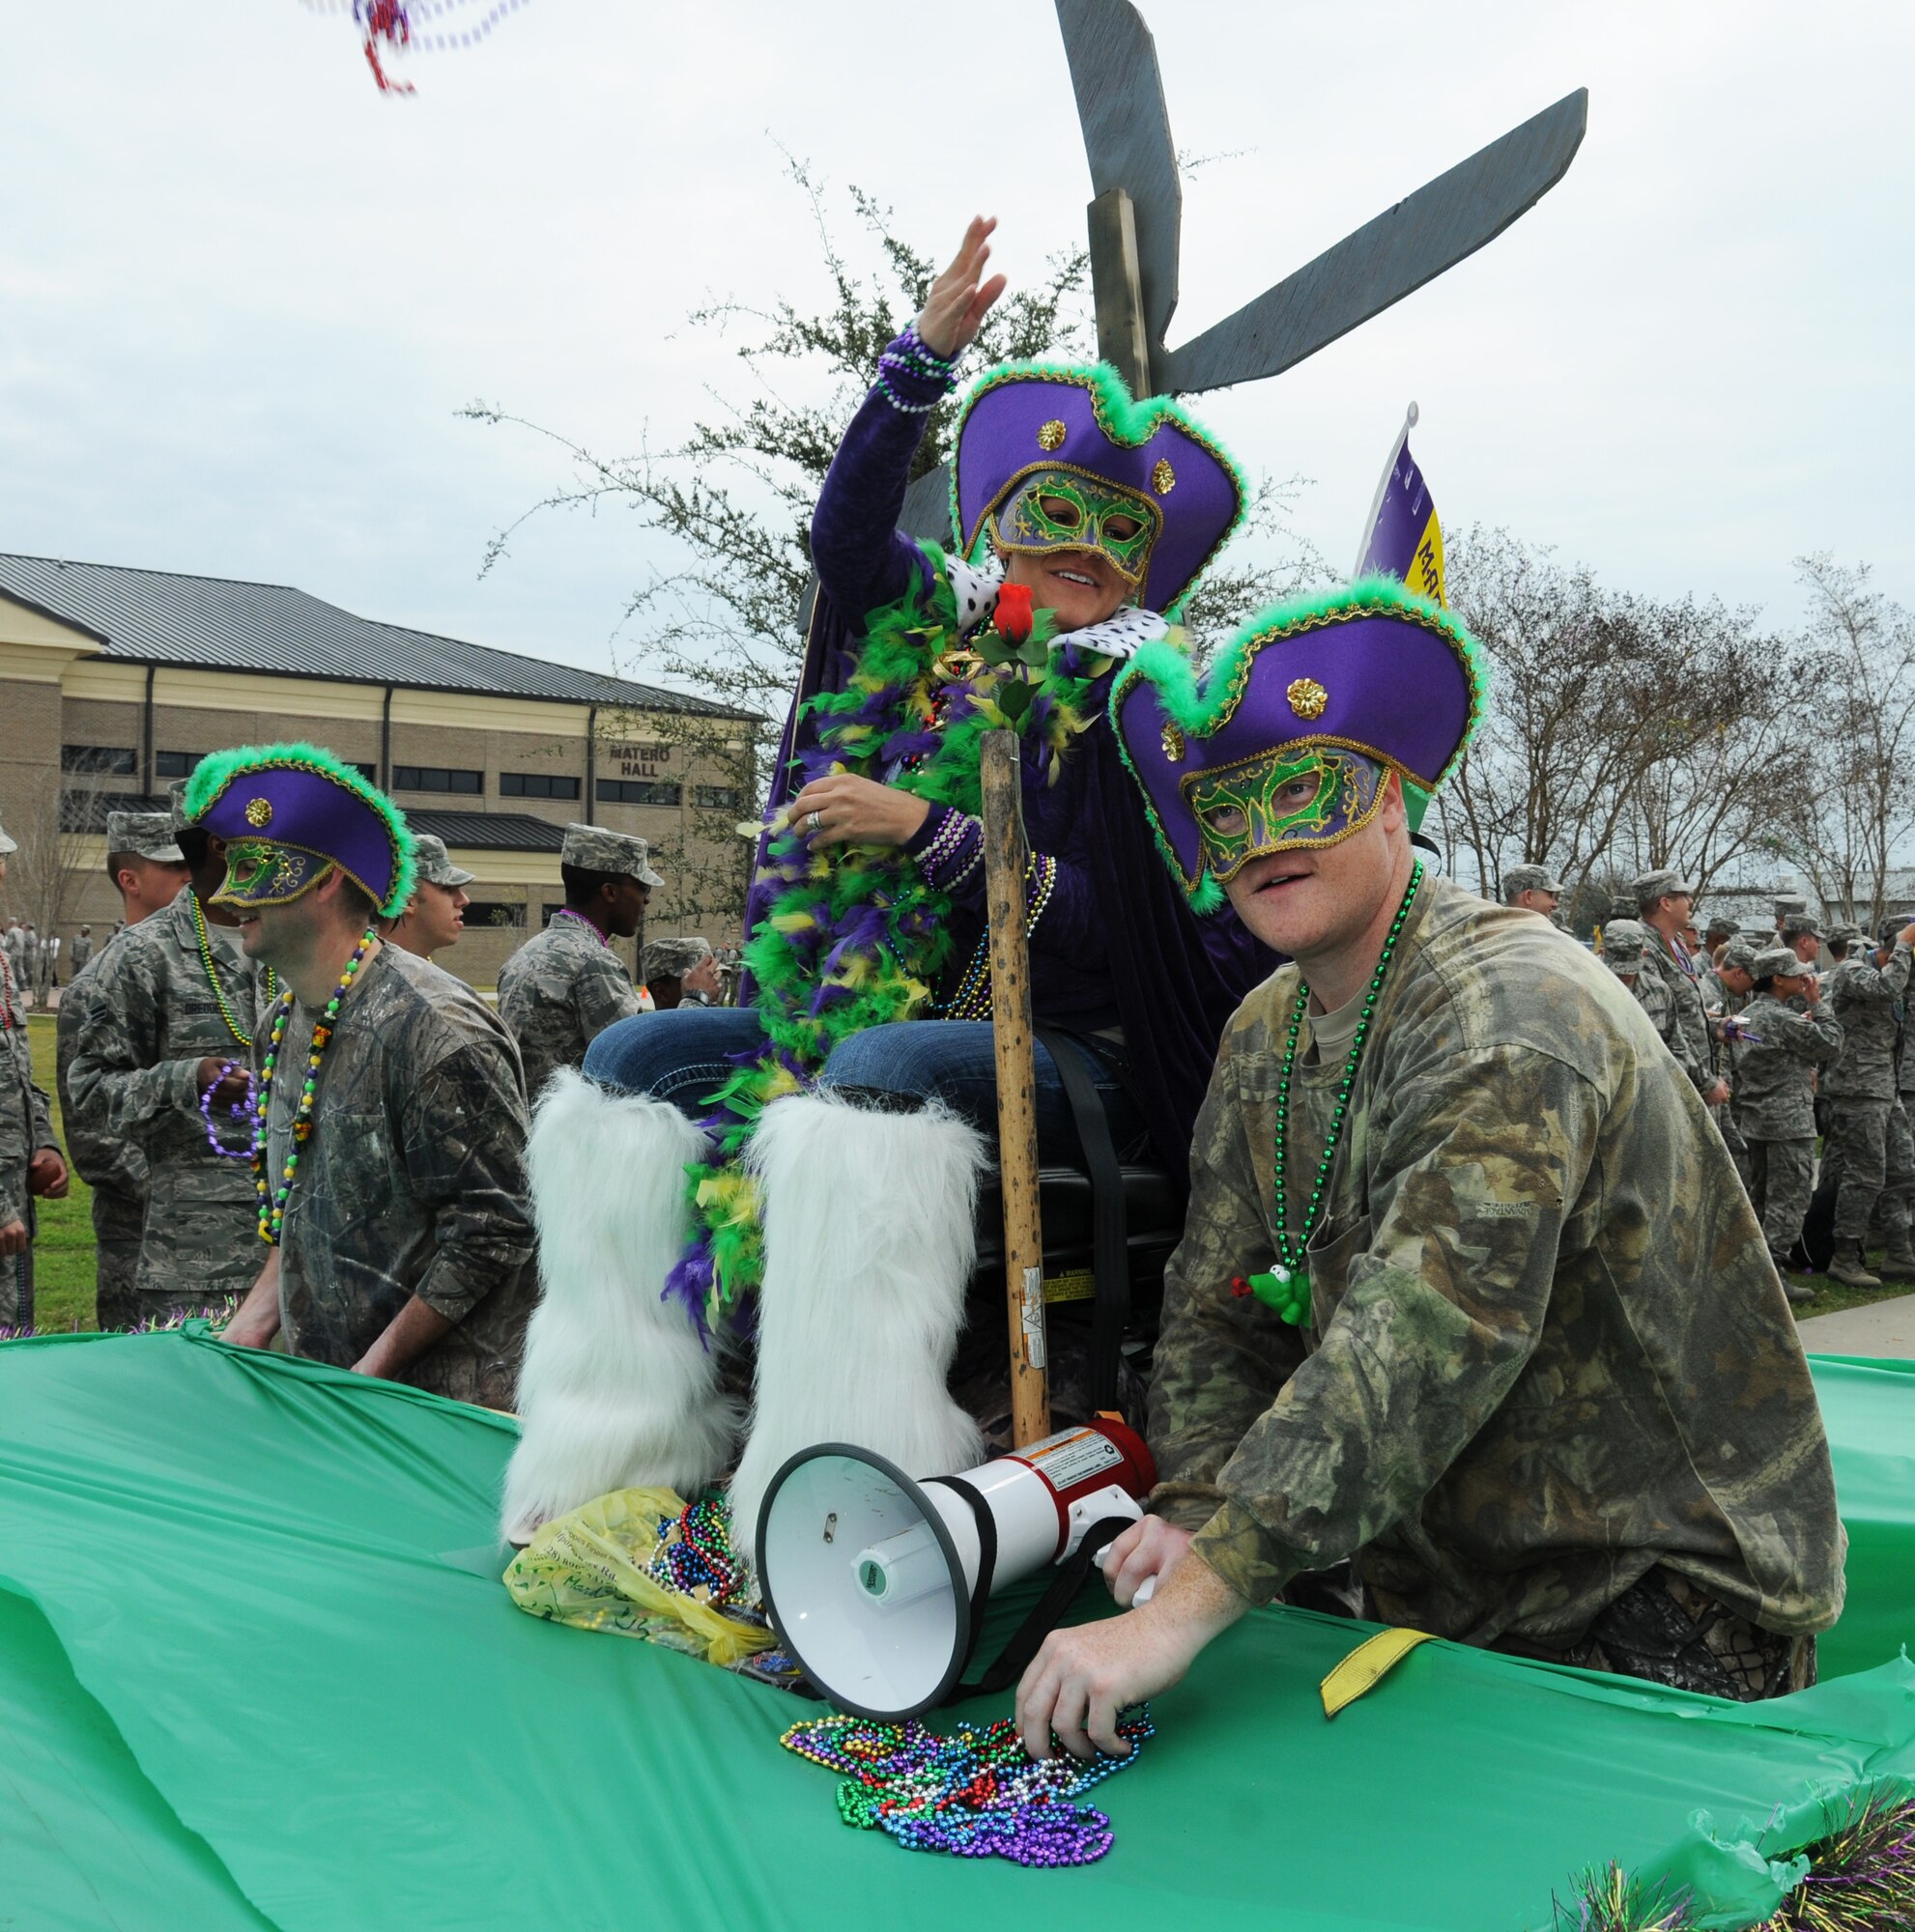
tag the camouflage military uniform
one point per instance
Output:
(1775, 1107)
(155, 1017)
(82, 952)
(110, 1164)
(559, 992)
(1685, 999)
(414, 1181)
(1546, 1353)
(1718, 1003)
(26, 1125)
(1864, 998)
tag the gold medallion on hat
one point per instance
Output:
(1051, 435)
(1173, 744)
(1307, 697)
(259, 813)
(1164, 478)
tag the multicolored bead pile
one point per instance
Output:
(695, 1556)
(976, 1794)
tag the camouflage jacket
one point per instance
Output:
(1697, 1054)
(414, 1181)
(109, 1163)
(1865, 998)
(1653, 994)
(1775, 1073)
(1547, 1346)
(26, 1123)
(81, 951)
(152, 1015)
(558, 993)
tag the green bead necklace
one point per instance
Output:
(1286, 1288)
(271, 989)
(272, 1200)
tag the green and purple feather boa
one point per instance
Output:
(853, 936)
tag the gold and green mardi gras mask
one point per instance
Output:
(1301, 795)
(1056, 509)
(261, 873)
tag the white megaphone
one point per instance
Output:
(876, 1584)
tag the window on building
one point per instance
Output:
(729, 797)
(536, 784)
(437, 778)
(86, 811)
(367, 769)
(105, 758)
(175, 764)
(495, 913)
(637, 792)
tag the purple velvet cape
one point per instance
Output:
(1174, 979)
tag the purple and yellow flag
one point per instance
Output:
(1403, 538)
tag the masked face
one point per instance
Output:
(259, 873)
(1058, 510)
(1313, 795)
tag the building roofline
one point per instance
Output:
(646, 696)
(65, 622)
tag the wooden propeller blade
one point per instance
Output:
(1127, 137)
(1385, 260)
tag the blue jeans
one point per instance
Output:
(681, 1056)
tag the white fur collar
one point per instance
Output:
(1120, 637)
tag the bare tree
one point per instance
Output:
(1623, 733)
(1851, 756)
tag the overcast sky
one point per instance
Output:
(243, 296)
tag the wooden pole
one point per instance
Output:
(1005, 859)
(1116, 290)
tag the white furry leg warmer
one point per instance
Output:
(616, 1390)
(870, 1223)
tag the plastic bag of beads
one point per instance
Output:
(640, 1563)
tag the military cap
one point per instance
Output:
(1625, 941)
(1893, 924)
(1622, 906)
(428, 855)
(6, 845)
(177, 792)
(672, 958)
(1742, 948)
(1845, 932)
(1793, 922)
(146, 835)
(1789, 903)
(1664, 883)
(1530, 879)
(1723, 923)
(594, 849)
(1774, 961)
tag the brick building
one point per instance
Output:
(115, 681)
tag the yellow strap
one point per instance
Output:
(1367, 1666)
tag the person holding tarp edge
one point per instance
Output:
(1469, 1292)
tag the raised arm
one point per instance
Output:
(863, 560)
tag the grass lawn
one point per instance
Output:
(63, 1256)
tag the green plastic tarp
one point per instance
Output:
(257, 1670)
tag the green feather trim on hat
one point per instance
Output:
(217, 771)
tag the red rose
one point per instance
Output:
(1014, 616)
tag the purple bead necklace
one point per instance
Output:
(246, 1110)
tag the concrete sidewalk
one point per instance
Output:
(1881, 1328)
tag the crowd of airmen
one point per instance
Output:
(158, 1032)
(1787, 1035)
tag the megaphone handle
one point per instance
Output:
(1146, 1590)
